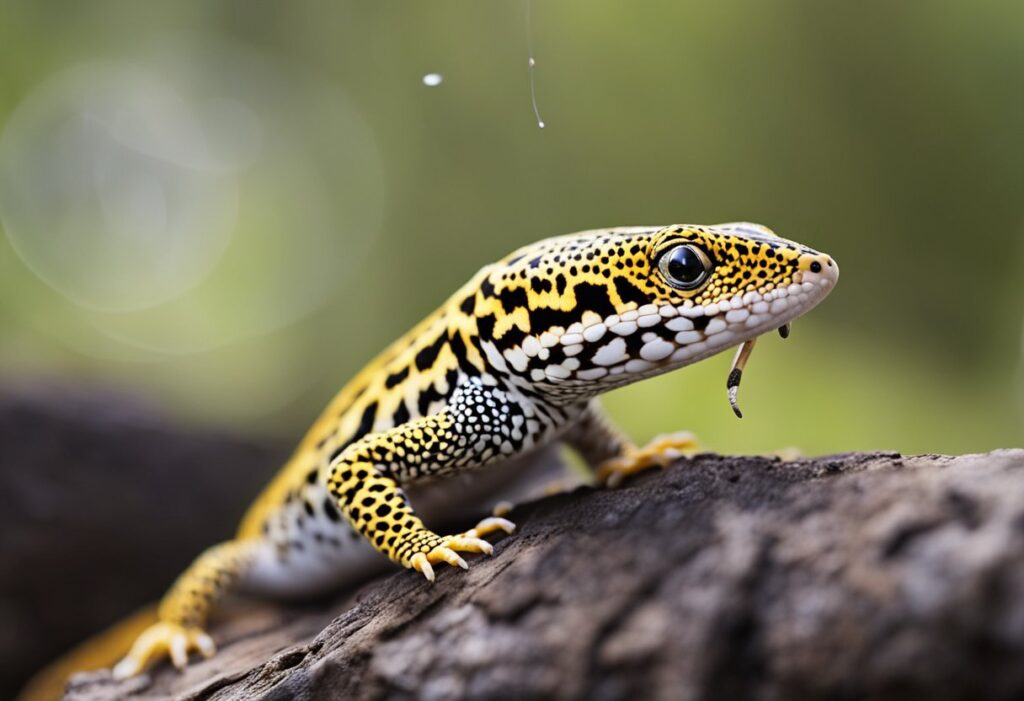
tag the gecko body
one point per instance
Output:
(507, 369)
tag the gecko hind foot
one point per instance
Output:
(660, 452)
(164, 639)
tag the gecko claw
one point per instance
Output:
(125, 669)
(205, 645)
(502, 508)
(468, 544)
(443, 553)
(421, 564)
(178, 652)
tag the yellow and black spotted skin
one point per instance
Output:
(512, 362)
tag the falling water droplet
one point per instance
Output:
(432, 80)
(533, 94)
(532, 65)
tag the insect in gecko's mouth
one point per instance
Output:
(739, 361)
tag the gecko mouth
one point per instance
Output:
(703, 331)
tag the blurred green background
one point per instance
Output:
(230, 206)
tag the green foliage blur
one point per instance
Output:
(890, 135)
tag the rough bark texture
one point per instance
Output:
(102, 503)
(866, 576)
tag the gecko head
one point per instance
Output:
(579, 314)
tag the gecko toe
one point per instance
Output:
(421, 564)
(125, 669)
(178, 650)
(204, 643)
(164, 639)
(444, 553)
(490, 525)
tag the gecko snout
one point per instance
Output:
(819, 267)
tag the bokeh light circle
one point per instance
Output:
(107, 193)
(190, 196)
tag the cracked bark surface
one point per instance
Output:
(860, 576)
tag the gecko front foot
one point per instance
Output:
(448, 549)
(660, 452)
(164, 639)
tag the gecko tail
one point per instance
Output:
(101, 651)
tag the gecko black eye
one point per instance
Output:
(684, 267)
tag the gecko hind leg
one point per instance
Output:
(184, 609)
(613, 457)
(660, 452)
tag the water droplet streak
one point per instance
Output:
(532, 66)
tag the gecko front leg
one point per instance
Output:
(479, 426)
(613, 457)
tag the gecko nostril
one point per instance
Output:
(815, 267)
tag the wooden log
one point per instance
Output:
(858, 576)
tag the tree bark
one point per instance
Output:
(859, 576)
(103, 502)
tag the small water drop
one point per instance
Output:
(432, 80)
(532, 65)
